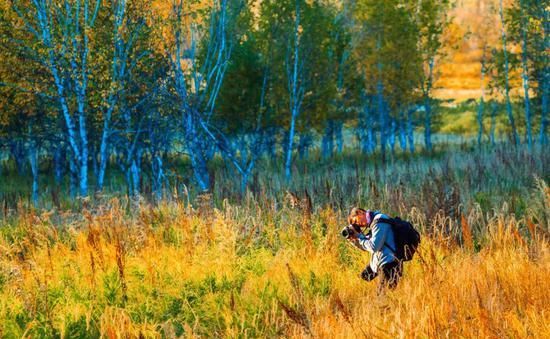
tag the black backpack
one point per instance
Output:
(406, 238)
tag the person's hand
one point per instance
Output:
(353, 233)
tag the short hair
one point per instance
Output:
(355, 211)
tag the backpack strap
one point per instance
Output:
(391, 249)
(389, 222)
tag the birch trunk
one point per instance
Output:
(481, 107)
(506, 78)
(428, 107)
(410, 131)
(295, 100)
(33, 160)
(339, 136)
(494, 108)
(545, 80)
(525, 76)
(402, 132)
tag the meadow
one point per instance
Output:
(272, 263)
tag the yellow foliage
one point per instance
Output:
(196, 276)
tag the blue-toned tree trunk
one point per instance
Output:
(525, 76)
(135, 176)
(410, 130)
(428, 108)
(402, 132)
(506, 78)
(17, 150)
(339, 136)
(270, 143)
(296, 90)
(160, 138)
(58, 163)
(197, 93)
(481, 107)
(380, 104)
(197, 153)
(480, 110)
(33, 161)
(157, 174)
(290, 145)
(382, 124)
(119, 74)
(494, 108)
(94, 160)
(304, 145)
(327, 145)
(392, 135)
(66, 59)
(366, 125)
(83, 173)
(543, 138)
(73, 179)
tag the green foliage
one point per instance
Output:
(530, 17)
(484, 200)
(388, 50)
(112, 288)
(80, 329)
(318, 285)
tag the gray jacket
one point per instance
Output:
(377, 242)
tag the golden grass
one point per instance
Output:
(250, 273)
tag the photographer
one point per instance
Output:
(379, 241)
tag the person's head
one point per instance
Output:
(360, 217)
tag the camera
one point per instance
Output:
(349, 230)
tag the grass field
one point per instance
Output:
(272, 263)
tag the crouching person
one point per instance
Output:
(380, 240)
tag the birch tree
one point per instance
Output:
(126, 33)
(483, 35)
(200, 56)
(386, 45)
(63, 31)
(296, 85)
(432, 19)
(525, 74)
(339, 87)
(245, 113)
(506, 75)
(71, 38)
(527, 23)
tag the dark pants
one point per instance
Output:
(389, 275)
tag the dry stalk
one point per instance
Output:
(299, 317)
(297, 314)
(121, 261)
(307, 209)
(467, 237)
(337, 303)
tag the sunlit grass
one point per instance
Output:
(266, 264)
(234, 272)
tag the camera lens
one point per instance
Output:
(345, 233)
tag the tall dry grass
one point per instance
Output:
(245, 272)
(271, 263)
